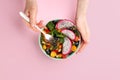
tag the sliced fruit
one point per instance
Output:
(60, 46)
(69, 33)
(44, 47)
(53, 54)
(64, 24)
(77, 38)
(59, 55)
(46, 30)
(74, 48)
(66, 46)
(64, 56)
(59, 50)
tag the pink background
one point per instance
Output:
(21, 58)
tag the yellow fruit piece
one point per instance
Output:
(74, 48)
(53, 54)
(59, 30)
(60, 46)
(44, 47)
(59, 55)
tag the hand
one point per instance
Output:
(83, 28)
(31, 12)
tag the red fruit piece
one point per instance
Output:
(64, 56)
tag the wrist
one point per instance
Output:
(80, 17)
(30, 0)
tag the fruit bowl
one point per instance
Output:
(67, 39)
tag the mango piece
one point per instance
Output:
(44, 47)
(74, 48)
(53, 54)
(59, 55)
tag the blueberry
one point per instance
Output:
(76, 43)
(55, 38)
(48, 51)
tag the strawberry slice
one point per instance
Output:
(69, 33)
(67, 45)
(64, 24)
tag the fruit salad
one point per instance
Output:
(66, 39)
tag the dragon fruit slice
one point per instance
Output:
(64, 24)
(66, 46)
(69, 33)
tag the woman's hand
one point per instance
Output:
(31, 12)
(81, 22)
(84, 30)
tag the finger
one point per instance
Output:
(88, 35)
(84, 42)
(31, 27)
(85, 36)
(27, 13)
(27, 24)
(32, 17)
(82, 47)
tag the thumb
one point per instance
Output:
(32, 18)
